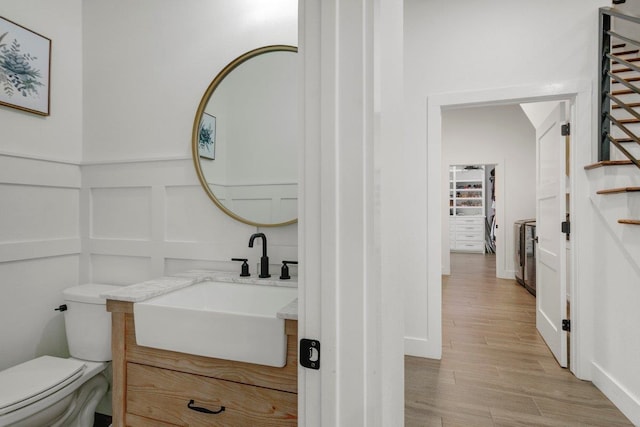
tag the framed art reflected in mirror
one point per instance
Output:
(207, 137)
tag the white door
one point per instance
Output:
(551, 303)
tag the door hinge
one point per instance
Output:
(566, 227)
(566, 325)
(310, 353)
(565, 129)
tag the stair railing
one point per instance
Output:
(612, 99)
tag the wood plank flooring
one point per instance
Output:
(495, 368)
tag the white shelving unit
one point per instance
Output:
(467, 208)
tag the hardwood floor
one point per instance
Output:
(495, 368)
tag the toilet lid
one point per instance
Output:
(36, 379)
(88, 293)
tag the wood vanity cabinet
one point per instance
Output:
(157, 388)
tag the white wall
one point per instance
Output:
(492, 135)
(147, 64)
(58, 136)
(616, 275)
(615, 363)
(537, 112)
(143, 84)
(39, 191)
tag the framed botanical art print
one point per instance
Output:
(25, 59)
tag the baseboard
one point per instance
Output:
(626, 402)
(421, 347)
(506, 274)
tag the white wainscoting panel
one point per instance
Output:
(146, 219)
(30, 290)
(139, 173)
(192, 217)
(44, 248)
(266, 203)
(120, 270)
(40, 249)
(42, 212)
(121, 213)
(38, 172)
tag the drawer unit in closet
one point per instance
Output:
(467, 234)
(179, 398)
(474, 221)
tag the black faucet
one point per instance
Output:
(264, 260)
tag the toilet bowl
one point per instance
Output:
(52, 391)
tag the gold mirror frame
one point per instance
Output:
(196, 125)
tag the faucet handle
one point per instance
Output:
(284, 270)
(244, 268)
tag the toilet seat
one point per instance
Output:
(36, 379)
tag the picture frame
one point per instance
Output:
(207, 137)
(25, 64)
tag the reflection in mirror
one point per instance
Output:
(244, 138)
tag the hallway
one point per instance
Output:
(495, 368)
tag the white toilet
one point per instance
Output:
(52, 391)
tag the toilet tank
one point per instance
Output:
(87, 322)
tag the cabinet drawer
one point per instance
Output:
(469, 246)
(473, 236)
(163, 395)
(469, 228)
(460, 220)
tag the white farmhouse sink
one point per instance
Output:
(215, 319)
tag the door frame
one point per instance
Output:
(579, 94)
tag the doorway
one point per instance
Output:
(530, 187)
(471, 223)
(578, 93)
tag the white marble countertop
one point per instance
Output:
(142, 291)
(289, 311)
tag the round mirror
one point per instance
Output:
(244, 138)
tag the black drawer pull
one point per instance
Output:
(203, 410)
